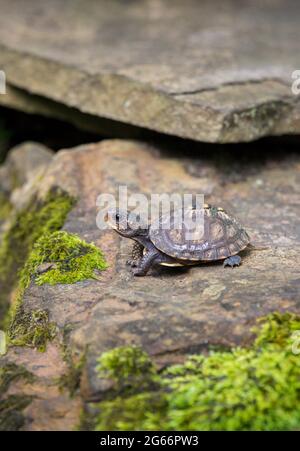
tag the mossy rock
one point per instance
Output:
(255, 388)
(39, 218)
(57, 257)
(68, 260)
(32, 329)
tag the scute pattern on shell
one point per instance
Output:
(220, 236)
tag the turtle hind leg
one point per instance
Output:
(150, 259)
(234, 260)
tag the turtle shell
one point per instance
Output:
(218, 236)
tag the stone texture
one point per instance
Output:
(51, 408)
(25, 159)
(170, 313)
(216, 72)
(23, 167)
(22, 100)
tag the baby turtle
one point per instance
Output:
(220, 237)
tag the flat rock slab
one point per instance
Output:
(172, 313)
(215, 72)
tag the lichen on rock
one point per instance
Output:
(255, 388)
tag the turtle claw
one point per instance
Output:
(138, 272)
(234, 260)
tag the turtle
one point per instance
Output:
(221, 238)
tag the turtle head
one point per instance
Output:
(126, 223)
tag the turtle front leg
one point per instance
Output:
(151, 258)
(136, 255)
(234, 260)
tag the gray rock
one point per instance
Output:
(216, 73)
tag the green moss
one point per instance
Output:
(255, 388)
(72, 259)
(31, 328)
(143, 411)
(277, 329)
(128, 367)
(39, 218)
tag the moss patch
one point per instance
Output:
(129, 368)
(39, 218)
(69, 259)
(31, 328)
(256, 388)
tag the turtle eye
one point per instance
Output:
(117, 217)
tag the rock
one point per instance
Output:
(50, 409)
(25, 159)
(22, 164)
(209, 73)
(21, 100)
(169, 313)
(23, 167)
(44, 267)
